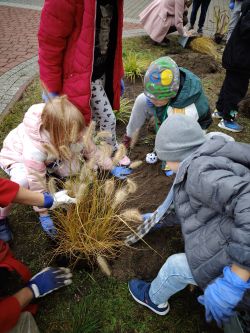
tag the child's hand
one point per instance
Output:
(48, 280)
(222, 296)
(121, 172)
(57, 199)
(46, 96)
(48, 225)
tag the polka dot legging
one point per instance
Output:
(102, 112)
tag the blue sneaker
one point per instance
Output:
(5, 232)
(139, 290)
(230, 125)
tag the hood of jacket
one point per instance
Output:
(190, 91)
(32, 124)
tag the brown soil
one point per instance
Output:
(244, 106)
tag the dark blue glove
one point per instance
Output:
(48, 225)
(149, 103)
(48, 95)
(122, 87)
(121, 172)
(221, 297)
(48, 280)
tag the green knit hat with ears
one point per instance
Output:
(162, 79)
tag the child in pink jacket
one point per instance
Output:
(162, 17)
(27, 160)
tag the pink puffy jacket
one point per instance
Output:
(66, 48)
(24, 144)
(160, 15)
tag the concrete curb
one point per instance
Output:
(14, 82)
(18, 5)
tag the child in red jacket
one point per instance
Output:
(42, 283)
(80, 55)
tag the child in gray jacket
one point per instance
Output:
(211, 197)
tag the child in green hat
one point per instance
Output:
(168, 89)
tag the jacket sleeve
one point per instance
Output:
(34, 161)
(179, 10)
(8, 191)
(10, 311)
(245, 22)
(56, 24)
(213, 183)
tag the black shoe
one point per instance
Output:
(200, 31)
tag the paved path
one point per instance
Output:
(19, 20)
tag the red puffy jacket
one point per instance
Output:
(66, 50)
(10, 309)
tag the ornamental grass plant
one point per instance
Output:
(204, 45)
(94, 229)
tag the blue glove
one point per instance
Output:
(221, 297)
(149, 103)
(169, 173)
(48, 280)
(146, 216)
(231, 4)
(48, 225)
(48, 95)
(122, 87)
(121, 172)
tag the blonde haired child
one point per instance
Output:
(49, 140)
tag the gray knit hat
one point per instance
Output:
(178, 137)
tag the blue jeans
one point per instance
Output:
(174, 276)
(204, 7)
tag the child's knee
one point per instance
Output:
(176, 262)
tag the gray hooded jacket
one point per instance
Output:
(212, 203)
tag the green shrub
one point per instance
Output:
(134, 65)
(123, 114)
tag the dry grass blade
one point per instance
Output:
(51, 151)
(132, 215)
(52, 185)
(121, 152)
(109, 187)
(135, 164)
(74, 132)
(85, 173)
(88, 136)
(106, 151)
(65, 153)
(103, 264)
(131, 186)
(119, 198)
(103, 134)
(81, 191)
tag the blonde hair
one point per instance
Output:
(63, 121)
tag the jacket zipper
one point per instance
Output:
(93, 59)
